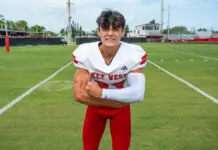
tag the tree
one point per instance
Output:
(37, 30)
(127, 30)
(76, 29)
(63, 32)
(84, 33)
(22, 25)
(202, 29)
(177, 30)
(94, 33)
(152, 22)
(11, 25)
(80, 31)
(2, 22)
(50, 33)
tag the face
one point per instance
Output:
(111, 37)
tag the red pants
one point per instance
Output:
(94, 125)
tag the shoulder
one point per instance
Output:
(135, 55)
(88, 45)
(84, 50)
(135, 51)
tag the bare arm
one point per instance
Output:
(81, 79)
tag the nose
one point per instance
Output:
(110, 32)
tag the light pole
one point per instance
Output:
(7, 45)
(162, 16)
(168, 27)
(69, 22)
(69, 27)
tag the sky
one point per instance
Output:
(52, 14)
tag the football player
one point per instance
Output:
(108, 79)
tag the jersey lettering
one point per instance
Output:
(98, 76)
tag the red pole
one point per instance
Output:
(7, 44)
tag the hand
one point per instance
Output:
(93, 89)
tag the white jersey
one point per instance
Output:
(128, 57)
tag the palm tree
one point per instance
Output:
(22, 25)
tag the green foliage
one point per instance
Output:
(177, 30)
(22, 25)
(37, 30)
(11, 25)
(80, 31)
(126, 30)
(152, 21)
(18, 25)
(63, 32)
(2, 22)
(50, 33)
(76, 30)
(94, 33)
(202, 29)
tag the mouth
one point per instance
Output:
(110, 39)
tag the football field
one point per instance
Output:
(179, 112)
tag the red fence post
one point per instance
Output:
(7, 44)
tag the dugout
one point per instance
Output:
(23, 41)
(22, 38)
(13, 33)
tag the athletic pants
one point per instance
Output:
(95, 122)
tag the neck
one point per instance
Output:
(108, 52)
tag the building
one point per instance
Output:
(13, 33)
(151, 31)
(203, 34)
(147, 29)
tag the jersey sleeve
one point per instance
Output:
(79, 57)
(140, 58)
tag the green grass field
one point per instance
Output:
(172, 116)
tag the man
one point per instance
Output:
(63, 42)
(108, 78)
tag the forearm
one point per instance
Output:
(88, 100)
(133, 93)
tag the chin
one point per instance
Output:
(111, 44)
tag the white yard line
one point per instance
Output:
(186, 83)
(211, 58)
(15, 101)
(207, 57)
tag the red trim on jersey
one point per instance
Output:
(75, 61)
(144, 56)
(144, 59)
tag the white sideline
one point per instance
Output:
(211, 58)
(186, 83)
(15, 101)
